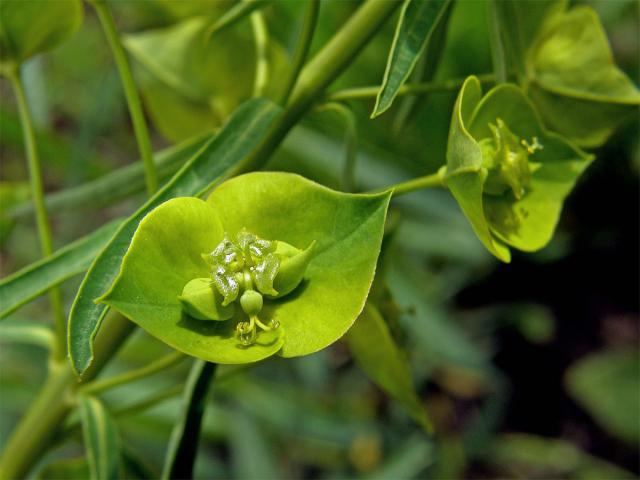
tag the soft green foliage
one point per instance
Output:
(26, 332)
(509, 175)
(574, 81)
(224, 151)
(29, 28)
(607, 385)
(370, 341)
(417, 24)
(192, 82)
(26, 284)
(346, 229)
(100, 439)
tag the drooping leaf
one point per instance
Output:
(183, 444)
(376, 352)
(418, 20)
(501, 219)
(28, 28)
(100, 439)
(192, 82)
(347, 230)
(116, 185)
(574, 80)
(24, 285)
(240, 135)
(23, 331)
(607, 385)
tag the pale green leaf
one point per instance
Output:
(100, 439)
(418, 20)
(376, 352)
(241, 134)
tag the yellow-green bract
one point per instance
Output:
(165, 254)
(527, 219)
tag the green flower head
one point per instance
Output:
(509, 175)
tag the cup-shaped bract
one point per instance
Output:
(29, 28)
(509, 175)
(327, 245)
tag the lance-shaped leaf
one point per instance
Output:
(24, 285)
(376, 352)
(239, 136)
(418, 20)
(191, 81)
(165, 254)
(501, 219)
(28, 28)
(574, 81)
(100, 439)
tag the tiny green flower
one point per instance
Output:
(509, 175)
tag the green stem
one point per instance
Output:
(363, 93)
(42, 219)
(131, 376)
(261, 38)
(131, 93)
(428, 181)
(302, 48)
(233, 15)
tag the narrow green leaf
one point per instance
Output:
(417, 22)
(376, 352)
(28, 28)
(24, 285)
(240, 135)
(22, 331)
(100, 439)
(183, 444)
(114, 186)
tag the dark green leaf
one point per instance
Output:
(183, 444)
(241, 134)
(32, 281)
(67, 469)
(418, 20)
(100, 439)
(376, 352)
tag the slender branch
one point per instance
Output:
(261, 37)
(235, 14)
(351, 141)
(131, 376)
(363, 93)
(42, 219)
(131, 93)
(302, 48)
(428, 181)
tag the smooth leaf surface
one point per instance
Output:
(239, 136)
(69, 469)
(27, 332)
(607, 385)
(376, 352)
(191, 83)
(347, 231)
(28, 28)
(183, 444)
(418, 20)
(24, 285)
(100, 439)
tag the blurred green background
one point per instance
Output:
(527, 370)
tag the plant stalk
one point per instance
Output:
(42, 219)
(420, 183)
(131, 93)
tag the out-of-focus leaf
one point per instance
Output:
(11, 193)
(191, 83)
(607, 385)
(409, 461)
(236, 13)
(384, 362)
(67, 469)
(240, 135)
(23, 331)
(252, 453)
(100, 439)
(24, 285)
(183, 444)
(418, 20)
(531, 456)
(28, 27)
(114, 186)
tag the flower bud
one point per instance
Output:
(251, 302)
(293, 265)
(201, 300)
